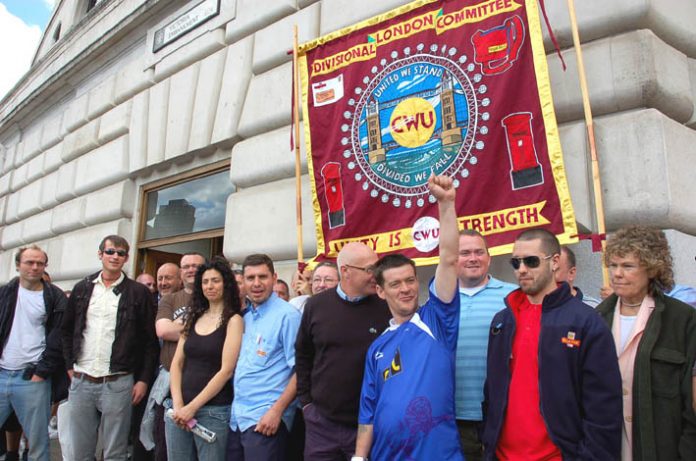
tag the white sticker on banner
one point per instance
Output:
(426, 234)
(327, 92)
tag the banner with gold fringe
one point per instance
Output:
(453, 87)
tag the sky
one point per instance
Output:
(21, 24)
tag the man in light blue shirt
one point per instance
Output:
(264, 380)
(481, 297)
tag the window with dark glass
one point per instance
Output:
(188, 207)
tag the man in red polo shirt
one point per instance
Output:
(553, 390)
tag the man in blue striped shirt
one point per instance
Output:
(481, 297)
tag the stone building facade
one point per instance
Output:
(128, 100)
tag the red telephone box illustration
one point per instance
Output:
(333, 191)
(497, 49)
(525, 168)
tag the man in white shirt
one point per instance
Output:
(110, 349)
(30, 350)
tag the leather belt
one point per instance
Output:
(92, 379)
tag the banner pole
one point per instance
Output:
(298, 165)
(596, 180)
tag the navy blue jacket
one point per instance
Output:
(579, 387)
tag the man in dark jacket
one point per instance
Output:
(110, 349)
(30, 350)
(553, 388)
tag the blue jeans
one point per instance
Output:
(184, 446)
(100, 404)
(32, 403)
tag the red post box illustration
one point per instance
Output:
(525, 168)
(497, 49)
(333, 191)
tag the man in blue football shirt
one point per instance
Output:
(407, 399)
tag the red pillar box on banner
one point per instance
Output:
(454, 87)
(525, 169)
(333, 191)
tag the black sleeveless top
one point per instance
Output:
(203, 359)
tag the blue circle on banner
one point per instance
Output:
(417, 116)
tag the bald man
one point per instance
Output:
(168, 280)
(338, 325)
(149, 281)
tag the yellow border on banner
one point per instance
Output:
(545, 100)
(316, 206)
(541, 70)
(304, 47)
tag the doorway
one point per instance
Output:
(183, 214)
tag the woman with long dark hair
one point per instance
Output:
(203, 364)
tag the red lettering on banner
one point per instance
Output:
(369, 241)
(412, 122)
(412, 106)
(426, 234)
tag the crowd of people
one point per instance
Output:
(204, 362)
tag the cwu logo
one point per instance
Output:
(418, 115)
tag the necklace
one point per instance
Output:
(625, 304)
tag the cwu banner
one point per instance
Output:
(455, 87)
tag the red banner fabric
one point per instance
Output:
(435, 87)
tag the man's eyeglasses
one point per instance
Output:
(529, 261)
(366, 269)
(114, 251)
(325, 280)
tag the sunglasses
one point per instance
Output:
(529, 261)
(113, 251)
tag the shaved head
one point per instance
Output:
(354, 252)
(147, 280)
(168, 279)
(355, 264)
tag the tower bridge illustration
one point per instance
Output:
(448, 132)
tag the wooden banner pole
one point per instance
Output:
(298, 164)
(596, 180)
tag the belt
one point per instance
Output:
(92, 379)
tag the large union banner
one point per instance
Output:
(456, 87)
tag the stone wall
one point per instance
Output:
(101, 115)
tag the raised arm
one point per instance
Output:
(442, 188)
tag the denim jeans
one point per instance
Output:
(32, 403)
(183, 445)
(100, 404)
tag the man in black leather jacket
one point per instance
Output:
(110, 350)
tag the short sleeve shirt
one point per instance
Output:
(408, 387)
(171, 307)
(266, 361)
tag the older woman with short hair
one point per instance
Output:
(655, 338)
